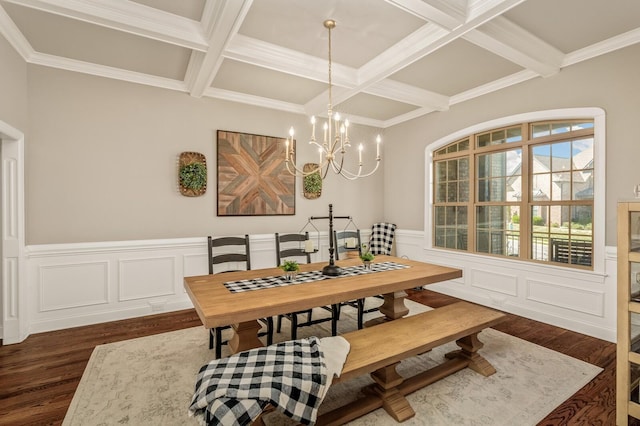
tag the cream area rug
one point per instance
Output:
(150, 381)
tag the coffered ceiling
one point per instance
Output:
(393, 60)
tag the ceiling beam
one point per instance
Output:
(127, 16)
(512, 42)
(422, 42)
(221, 21)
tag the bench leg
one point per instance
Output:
(470, 345)
(245, 336)
(385, 387)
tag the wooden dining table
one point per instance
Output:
(217, 306)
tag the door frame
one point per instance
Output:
(13, 308)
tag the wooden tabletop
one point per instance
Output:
(217, 306)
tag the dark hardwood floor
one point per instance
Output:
(39, 376)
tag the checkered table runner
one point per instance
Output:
(306, 277)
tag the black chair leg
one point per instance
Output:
(335, 314)
(279, 323)
(269, 331)
(211, 331)
(360, 314)
(294, 326)
(218, 342)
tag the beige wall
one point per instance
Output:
(100, 154)
(101, 163)
(13, 87)
(610, 82)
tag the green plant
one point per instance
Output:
(193, 176)
(538, 221)
(312, 183)
(365, 254)
(515, 218)
(289, 266)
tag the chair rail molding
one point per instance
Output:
(579, 300)
(77, 284)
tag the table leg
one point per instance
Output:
(393, 308)
(245, 336)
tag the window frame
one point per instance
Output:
(599, 204)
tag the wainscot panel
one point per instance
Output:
(582, 301)
(85, 283)
(66, 286)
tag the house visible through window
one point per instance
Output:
(524, 191)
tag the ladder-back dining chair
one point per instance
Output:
(342, 248)
(291, 246)
(227, 254)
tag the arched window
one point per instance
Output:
(529, 189)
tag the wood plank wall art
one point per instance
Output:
(252, 176)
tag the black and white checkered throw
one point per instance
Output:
(306, 277)
(291, 376)
(381, 240)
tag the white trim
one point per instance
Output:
(14, 310)
(598, 116)
(581, 301)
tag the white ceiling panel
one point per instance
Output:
(244, 78)
(455, 68)
(574, 24)
(59, 36)
(393, 60)
(359, 36)
(375, 107)
(191, 9)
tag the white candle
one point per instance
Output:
(313, 127)
(346, 130)
(320, 157)
(286, 149)
(378, 140)
(326, 126)
(360, 148)
(308, 246)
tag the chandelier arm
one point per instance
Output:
(297, 172)
(352, 176)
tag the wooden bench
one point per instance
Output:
(379, 349)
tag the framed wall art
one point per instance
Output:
(252, 177)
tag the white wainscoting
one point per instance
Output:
(578, 300)
(71, 285)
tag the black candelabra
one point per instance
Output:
(331, 269)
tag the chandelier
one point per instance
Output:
(335, 140)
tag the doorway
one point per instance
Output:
(13, 306)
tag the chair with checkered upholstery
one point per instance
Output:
(381, 239)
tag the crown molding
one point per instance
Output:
(104, 71)
(606, 46)
(494, 86)
(10, 31)
(228, 95)
(127, 16)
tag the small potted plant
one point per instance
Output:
(366, 256)
(290, 268)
